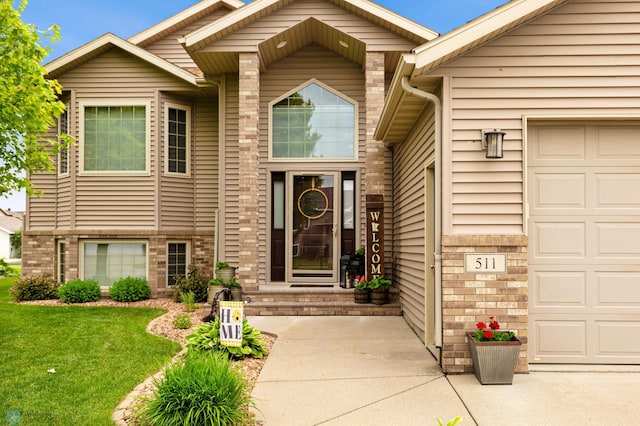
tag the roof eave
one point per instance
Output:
(395, 94)
(486, 27)
(176, 19)
(78, 55)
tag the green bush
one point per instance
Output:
(40, 287)
(5, 269)
(80, 291)
(130, 289)
(182, 322)
(195, 282)
(207, 338)
(204, 390)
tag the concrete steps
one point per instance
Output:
(318, 301)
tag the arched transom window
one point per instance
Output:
(313, 123)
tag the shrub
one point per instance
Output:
(130, 289)
(189, 301)
(5, 269)
(194, 281)
(40, 287)
(207, 338)
(80, 291)
(204, 390)
(182, 322)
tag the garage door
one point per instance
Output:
(584, 243)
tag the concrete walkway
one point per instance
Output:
(374, 371)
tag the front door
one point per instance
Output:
(312, 222)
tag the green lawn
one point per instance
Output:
(99, 354)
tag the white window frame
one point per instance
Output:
(110, 241)
(187, 263)
(166, 139)
(116, 103)
(66, 115)
(356, 135)
(61, 246)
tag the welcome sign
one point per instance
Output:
(231, 315)
(375, 234)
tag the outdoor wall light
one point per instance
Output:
(492, 140)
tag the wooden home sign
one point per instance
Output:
(375, 233)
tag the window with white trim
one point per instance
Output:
(177, 137)
(313, 122)
(114, 138)
(177, 261)
(108, 261)
(63, 155)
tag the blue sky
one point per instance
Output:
(83, 21)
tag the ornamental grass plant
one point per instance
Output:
(203, 390)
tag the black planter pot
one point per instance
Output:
(380, 296)
(361, 296)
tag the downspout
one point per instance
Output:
(437, 104)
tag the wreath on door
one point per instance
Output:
(313, 203)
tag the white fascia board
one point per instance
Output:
(181, 16)
(477, 29)
(109, 38)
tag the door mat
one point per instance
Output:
(312, 285)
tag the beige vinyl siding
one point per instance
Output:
(41, 211)
(170, 49)
(176, 192)
(283, 76)
(205, 159)
(229, 249)
(119, 201)
(377, 38)
(579, 60)
(63, 204)
(409, 161)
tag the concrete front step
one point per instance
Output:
(310, 301)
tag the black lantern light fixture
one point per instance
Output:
(492, 141)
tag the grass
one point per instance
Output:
(99, 354)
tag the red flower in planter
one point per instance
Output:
(492, 335)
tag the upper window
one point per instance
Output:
(63, 155)
(177, 139)
(313, 123)
(115, 139)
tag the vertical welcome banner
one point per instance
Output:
(231, 315)
(375, 234)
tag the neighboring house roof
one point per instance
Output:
(10, 221)
(444, 49)
(108, 41)
(182, 19)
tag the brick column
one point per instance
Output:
(471, 297)
(374, 77)
(248, 119)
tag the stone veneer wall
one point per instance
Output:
(469, 298)
(39, 255)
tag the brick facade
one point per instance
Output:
(374, 90)
(41, 257)
(249, 120)
(468, 297)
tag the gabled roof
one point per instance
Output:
(261, 8)
(108, 41)
(182, 19)
(479, 31)
(10, 221)
(401, 109)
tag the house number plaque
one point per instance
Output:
(492, 263)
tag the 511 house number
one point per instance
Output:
(485, 263)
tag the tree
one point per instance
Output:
(29, 102)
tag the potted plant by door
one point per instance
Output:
(494, 353)
(361, 293)
(224, 271)
(236, 289)
(215, 284)
(379, 290)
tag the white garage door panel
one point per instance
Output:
(584, 243)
